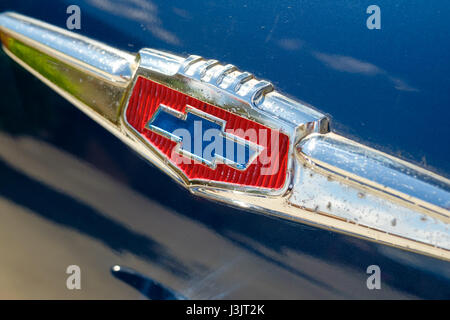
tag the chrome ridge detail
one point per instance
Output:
(332, 182)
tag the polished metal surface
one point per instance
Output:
(400, 178)
(84, 71)
(332, 182)
(365, 187)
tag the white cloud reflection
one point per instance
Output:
(347, 64)
(290, 44)
(352, 65)
(344, 63)
(141, 11)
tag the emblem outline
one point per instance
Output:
(178, 174)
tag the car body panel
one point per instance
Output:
(71, 193)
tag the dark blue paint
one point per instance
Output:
(388, 88)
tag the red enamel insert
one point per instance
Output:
(145, 99)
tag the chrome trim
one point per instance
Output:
(378, 170)
(90, 72)
(333, 182)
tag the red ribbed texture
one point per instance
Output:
(148, 95)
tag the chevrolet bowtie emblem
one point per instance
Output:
(229, 137)
(202, 137)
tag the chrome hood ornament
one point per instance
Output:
(289, 165)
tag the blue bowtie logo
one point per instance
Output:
(202, 137)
